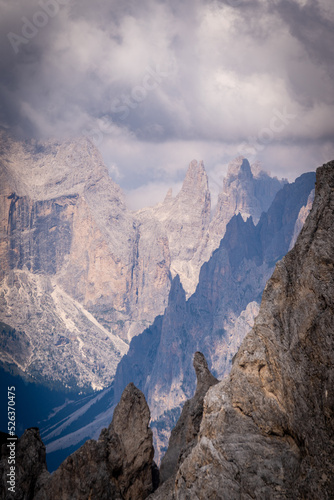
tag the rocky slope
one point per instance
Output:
(186, 430)
(80, 274)
(267, 431)
(185, 220)
(247, 190)
(216, 317)
(119, 465)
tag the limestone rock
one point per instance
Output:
(53, 330)
(267, 431)
(185, 220)
(302, 216)
(248, 191)
(75, 263)
(119, 465)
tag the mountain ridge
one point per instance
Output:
(67, 238)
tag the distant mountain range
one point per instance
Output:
(264, 431)
(81, 275)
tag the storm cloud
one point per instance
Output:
(157, 83)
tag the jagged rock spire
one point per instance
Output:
(184, 435)
(118, 465)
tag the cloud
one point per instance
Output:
(156, 83)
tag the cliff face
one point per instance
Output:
(185, 220)
(80, 274)
(218, 315)
(247, 190)
(267, 431)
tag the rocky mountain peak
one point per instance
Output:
(118, 465)
(240, 169)
(184, 435)
(169, 195)
(203, 375)
(276, 409)
(195, 183)
(50, 169)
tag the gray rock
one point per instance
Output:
(268, 431)
(184, 434)
(117, 466)
(77, 265)
(185, 220)
(248, 191)
(217, 316)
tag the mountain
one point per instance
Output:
(185, 218)
(267, 430)
(247, 190)
(119, 465)
(216, 317)
(80, 274)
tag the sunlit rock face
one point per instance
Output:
(246, 190)
(185, 219)
(80, 274)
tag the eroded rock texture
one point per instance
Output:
(246, 190)
(268, 431)
(184, 434)
(117, 466)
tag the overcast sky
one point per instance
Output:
(156, 84)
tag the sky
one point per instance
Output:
(155, 84)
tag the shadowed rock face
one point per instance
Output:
(30, 466)
(119, 465)
(184, 434)
(268, 431)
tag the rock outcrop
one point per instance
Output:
(302, 216)
(268, 430)
(184, 434)
(77, 265)
(119, 465)
(217, 316)
(247, 190)
(185, 220)
(30, 466)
